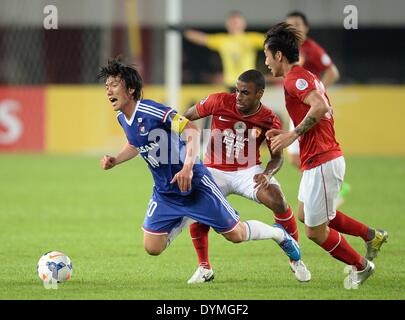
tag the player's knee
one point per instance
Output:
(311, 235)
(153, 250)
(235, 236)
(314, 235)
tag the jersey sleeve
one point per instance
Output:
(157, 111)
(208, 106)
(321, 58)
(257, 39)
(300, 85)
(214, 41)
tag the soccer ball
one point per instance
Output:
(54, 265)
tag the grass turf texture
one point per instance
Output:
(68, 203)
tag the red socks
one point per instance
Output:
(347, 225)
(287, 220)
(340, 249)
(199, 236)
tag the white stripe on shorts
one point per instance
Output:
(207, 182)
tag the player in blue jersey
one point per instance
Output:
(184, 190)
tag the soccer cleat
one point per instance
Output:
(289, 245)
(355, 278)
(300, 270)
(373, 246)
(201, 275)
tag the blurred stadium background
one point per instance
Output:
(48, 77)
(55, 121)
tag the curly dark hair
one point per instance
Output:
(128, 73)
(253, 76)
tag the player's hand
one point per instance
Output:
(183, 178)
(107, 162)
(262, 180)
(283, 140)
(273, 132)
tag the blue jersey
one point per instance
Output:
(149, 131)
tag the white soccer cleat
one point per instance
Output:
(201, 275)
(356, 278)
(300, 270)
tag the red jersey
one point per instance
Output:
(235, 138)
(318, 144)
(315, 58)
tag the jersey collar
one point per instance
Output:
(250, 115)
(131, 120)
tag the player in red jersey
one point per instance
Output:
(315, 59)
(233, 157)
(322, 159)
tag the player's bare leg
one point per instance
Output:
(154, 244)
(300, 212)
(273, 198)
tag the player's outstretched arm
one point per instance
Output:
(330, 76)
(128, 152)
(192, 113)
(195, 36)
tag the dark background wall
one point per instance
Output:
(73, 55)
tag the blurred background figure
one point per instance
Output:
(237, 48)
(312, 56)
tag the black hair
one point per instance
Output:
(285, 38)
(128, 73)
(300, 15)
(253, 76)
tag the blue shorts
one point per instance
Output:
(205, 204)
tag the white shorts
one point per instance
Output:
(239, 182)
(319, 189)
(293, 148)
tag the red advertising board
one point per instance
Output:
(22, 119)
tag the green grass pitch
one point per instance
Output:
(68, 203)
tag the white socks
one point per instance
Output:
(257, 230)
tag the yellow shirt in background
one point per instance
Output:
(238, 52)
